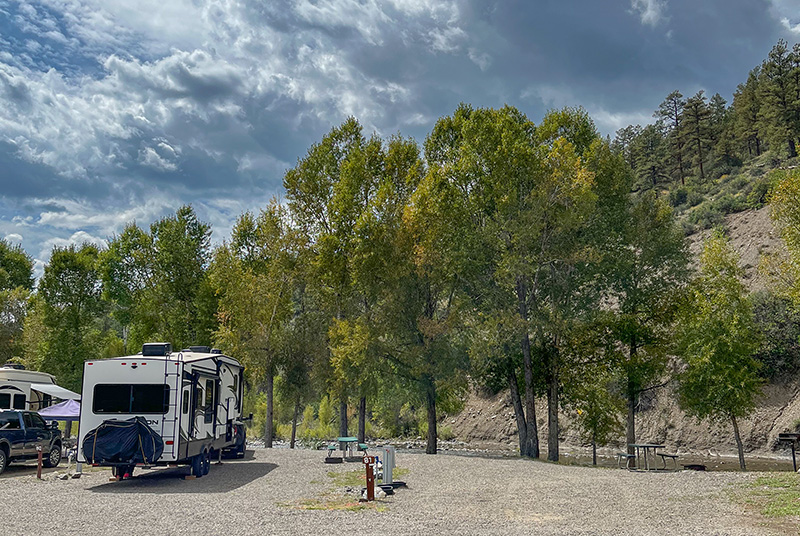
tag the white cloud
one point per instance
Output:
(77, 238)
(14, 237)
(787, 12)
(651, 12)
(793, 27)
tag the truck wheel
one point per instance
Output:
(54, 457)
(3, 459)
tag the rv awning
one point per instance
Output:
(56, 391)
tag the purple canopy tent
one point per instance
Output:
(68, 410)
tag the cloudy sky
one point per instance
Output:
(114, 111)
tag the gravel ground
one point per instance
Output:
(265, 492)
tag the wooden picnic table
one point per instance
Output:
(645, 448)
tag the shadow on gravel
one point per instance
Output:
(15, 470)
(220, 479)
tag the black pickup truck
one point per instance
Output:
(22, 432)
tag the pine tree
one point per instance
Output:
(778, 110)
(697, 129)
(670, 115)
(747, 105)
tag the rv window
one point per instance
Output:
(186, 401)
(19, 401)
(9, 422)
(131, 398)
(5, 401)
(209, 403)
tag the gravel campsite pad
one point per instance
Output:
(283, 491)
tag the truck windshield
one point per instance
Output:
(130, 398)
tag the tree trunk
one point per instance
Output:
(739, 446)
(294, 422)
(343, 417)
(792, 148)
(362, 419)
(758, 147)
(519, 413)
(631, 391)
(552, 406)
(430, 405)
(700, 158)
(630, 436)
(594, 449)
(268, 427)
(531, 449)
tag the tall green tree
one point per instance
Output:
(747, 107)
(328, 190)
(157, 283)
(16, 267)
(646, 266)
(649, 149)
(779, 98)
(717, 338)
(253, 277)
(697, 129)
(670, 115)
(71, 295)
(16, 282)
(516, 195)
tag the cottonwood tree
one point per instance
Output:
(71, 299)
(645, 267)
(328, 190)
(716, 339)
(254, 278)
(16, 282)
(157, 283)
(517, 196)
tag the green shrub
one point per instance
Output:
(445, 433)
(678, 196)
(705, 216)
(694, 199)
(728, 204)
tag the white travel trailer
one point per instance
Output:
(29, 389)
(192, 399)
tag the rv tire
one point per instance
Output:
(206, 462)
(197, 465)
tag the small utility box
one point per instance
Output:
(388, 463)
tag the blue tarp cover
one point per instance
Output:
(118, 441)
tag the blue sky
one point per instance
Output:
(114, 111)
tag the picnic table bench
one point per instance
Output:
(647, 450)
(346, 444)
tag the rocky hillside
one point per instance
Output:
(489, 421)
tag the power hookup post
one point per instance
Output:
(369, 462)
